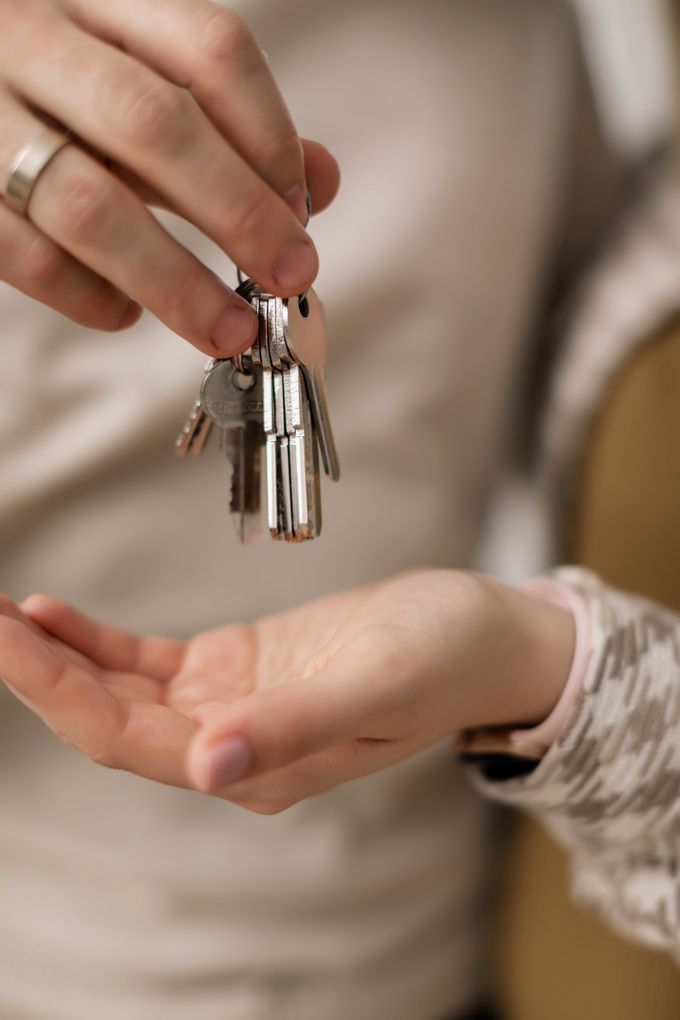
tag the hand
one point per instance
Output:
(267, 714)
(171, 104)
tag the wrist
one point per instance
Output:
(532, 643)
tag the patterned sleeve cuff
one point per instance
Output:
(613, 774)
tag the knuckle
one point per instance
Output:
(252, 216)
(43, 262)
(180, 299)
(87, 206)
(280, 140)
(223, 34)
(148, 112)
(100, 306)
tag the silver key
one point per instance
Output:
(284, 492)
(195, 434)
(275, 512)
(302, 439)
(232, 399)
(306, 341)
(287, 443)
(272, 396)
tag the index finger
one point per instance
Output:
(209, 49)
(132, 115)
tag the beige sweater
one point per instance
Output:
(474, 183)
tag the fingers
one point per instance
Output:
(108, 647)
(92, 215)
(62, 693)
(208, 49)
(352, 697)
(37, 267)
(153, 128)
(10, 610)
(153, 743)
(149, 740)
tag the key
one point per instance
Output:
(233, 400)
(306, 340)
(284, 493)
(308, 446)
(194, 435)
(196, 432)
(251, 292)
(303, 451)
(272, 398)
(274, 497)
(287, 443)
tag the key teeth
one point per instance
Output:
(290, 446)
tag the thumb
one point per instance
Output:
(277, 725)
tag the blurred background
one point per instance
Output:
(630, 45)
(632, 48)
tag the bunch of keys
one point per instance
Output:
(271, 399)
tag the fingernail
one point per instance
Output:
(296, 198)
(234, 331)
(296, 267)
(226, 762)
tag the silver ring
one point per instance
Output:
(29, 165)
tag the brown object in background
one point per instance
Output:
(557, 962)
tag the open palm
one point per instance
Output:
(138, 703)
(265, 714)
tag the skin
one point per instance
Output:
(265, 715)
(172, 104)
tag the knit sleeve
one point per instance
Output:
(609, 788)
